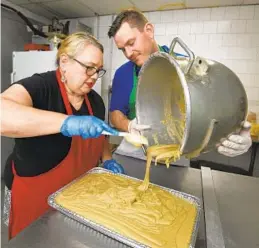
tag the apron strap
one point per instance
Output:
(13, 169)
(89, 105)
(132, 99)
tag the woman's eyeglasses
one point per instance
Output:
(90, 70)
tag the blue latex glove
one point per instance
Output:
(85, 126)
(113, 166)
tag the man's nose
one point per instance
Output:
(129, 53)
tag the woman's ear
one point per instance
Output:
(63, 59)
(149, 30)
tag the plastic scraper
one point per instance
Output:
(134, 139)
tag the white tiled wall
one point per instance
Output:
(227, 34)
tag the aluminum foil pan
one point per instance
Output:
(110, 233)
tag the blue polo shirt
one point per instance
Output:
(122, 86)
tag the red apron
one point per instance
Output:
(29, 194)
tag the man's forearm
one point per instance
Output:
(119, 120)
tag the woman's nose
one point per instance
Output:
(95, 76)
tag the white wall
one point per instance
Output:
(227, 34)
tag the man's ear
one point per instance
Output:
(149, 29)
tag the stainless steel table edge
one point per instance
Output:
(213, 227)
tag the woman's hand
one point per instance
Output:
(113, 166)
(85, 126)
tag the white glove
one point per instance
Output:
(237, 144)
(135, 128)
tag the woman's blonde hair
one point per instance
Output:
(76, 42)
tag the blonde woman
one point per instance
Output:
(57, 120)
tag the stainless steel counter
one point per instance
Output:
(238, 203)
(237, 198)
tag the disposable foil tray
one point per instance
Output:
(112, 234)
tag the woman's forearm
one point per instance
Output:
(19, 121)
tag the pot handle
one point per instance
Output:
(186, 49)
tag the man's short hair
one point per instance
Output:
(133, 17)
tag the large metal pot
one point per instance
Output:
(215, 100)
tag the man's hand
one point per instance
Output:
(135, 128)
(237, 144)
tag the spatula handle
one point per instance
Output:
(123, 134)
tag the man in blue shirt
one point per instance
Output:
(134, 36)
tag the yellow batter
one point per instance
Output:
(175, 126)
(175, 129)
(166, 153)
(154, 218)
(254, 130)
